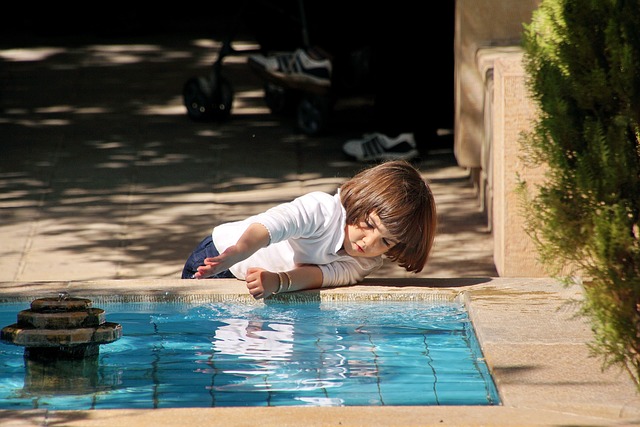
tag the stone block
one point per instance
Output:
(513, 113)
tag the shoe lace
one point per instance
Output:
(373, 145)
(286, 62)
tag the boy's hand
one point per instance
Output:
(256, 236)
(261, 283)
(219, 263)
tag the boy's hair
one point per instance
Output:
(403, 201)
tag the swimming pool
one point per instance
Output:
(176, 354)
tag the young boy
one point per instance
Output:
(320, 240)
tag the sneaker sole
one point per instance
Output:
(386, 156)
(300, 78)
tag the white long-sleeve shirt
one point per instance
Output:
(307, 230)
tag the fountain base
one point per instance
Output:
(61, 328)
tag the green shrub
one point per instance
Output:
(582, 59)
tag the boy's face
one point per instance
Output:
(369, 238)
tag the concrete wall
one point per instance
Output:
(480, 24)
(492, 109)
(513, 113)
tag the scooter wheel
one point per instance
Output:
(206, 101)
(279, 100)
(313, 114)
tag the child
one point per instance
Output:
(320, 240)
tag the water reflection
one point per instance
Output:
(66, 377)
(254, 340)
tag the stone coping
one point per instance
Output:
(533, 339)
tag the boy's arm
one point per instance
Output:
(256, 236)
(302, 277)
(262, 283)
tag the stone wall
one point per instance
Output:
(492, 109)
(480, 24)
(513, 113)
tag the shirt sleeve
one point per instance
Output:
(348, 270)
(306, 216)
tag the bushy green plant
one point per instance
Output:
(582, 59)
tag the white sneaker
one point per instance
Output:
(299, 66)
(377, 146)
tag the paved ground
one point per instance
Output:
(103, 176)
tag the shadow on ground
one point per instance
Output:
(103, 176)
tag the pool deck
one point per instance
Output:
(107, 186)
(532, 340)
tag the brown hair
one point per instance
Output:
(403, 201)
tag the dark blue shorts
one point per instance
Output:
(206, 249)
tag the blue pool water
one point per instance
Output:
(278, 354)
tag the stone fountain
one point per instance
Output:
(62, 338)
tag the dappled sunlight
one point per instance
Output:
(38, 123)
(42, 117)
(207, 44)
(19, 116)
(128, 48)
(242, 46)
(261, 193)
(238, 45)
(127, 54)
(55, 109)
(103, 175)
(170, 158)
(29, 54)
(259, 122)
(244, 104)
(94, 184)
(250, 94)
(106, 145)
(320, 183)
(209, 133)
(173, 109)
(91, 110)
(250, 102)
(95, 55)
(113, 165)
(119, 54)
(235, 60)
